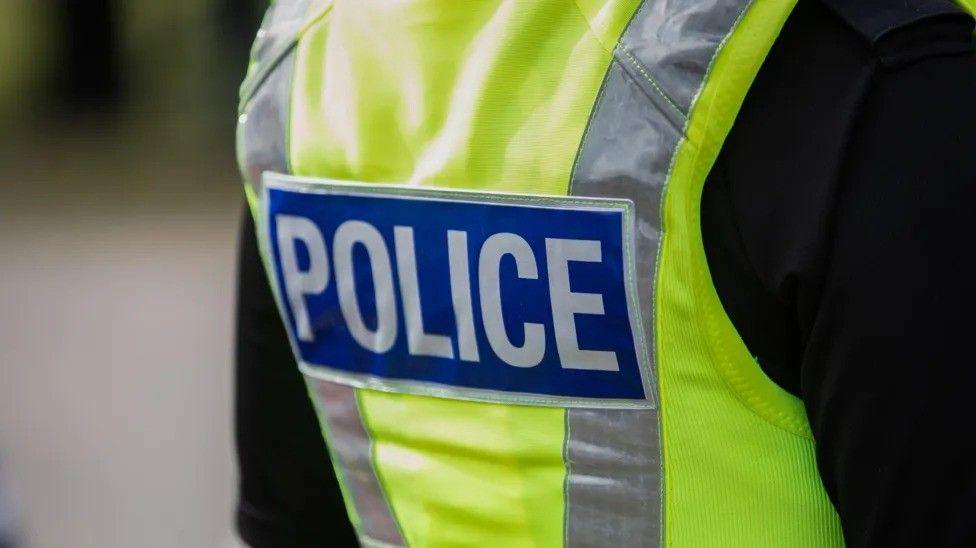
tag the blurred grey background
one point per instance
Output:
(118, 216)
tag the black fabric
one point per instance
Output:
(837, 224)
(874, 20)
(905, 30)
(289, 495)
(835, 228)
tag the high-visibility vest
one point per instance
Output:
(549, 117)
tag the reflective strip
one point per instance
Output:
(614, 485)
(626, 153)
(352, 447)
(262, 141)
(262, 124)
(275, 39)
(262, 130)
(615, 477)
(671, 44)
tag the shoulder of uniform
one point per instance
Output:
(901, 31)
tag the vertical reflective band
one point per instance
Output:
(262, 141)
(262, 123)
(615, 476)
(262, 129)
(614, 484)
(351, 448)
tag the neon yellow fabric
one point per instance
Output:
(739, 459)
(490, 95)
(486, 95)
(968, 5)
(458, 471)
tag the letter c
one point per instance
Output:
(497, 246)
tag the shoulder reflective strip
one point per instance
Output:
(629, 145)
(262, 130)
(671, 44)
(352, 447)
(275, 39)
(262, 140)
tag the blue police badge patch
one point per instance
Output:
(458, 294)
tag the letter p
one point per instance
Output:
(299, 283)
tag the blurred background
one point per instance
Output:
(118, 216)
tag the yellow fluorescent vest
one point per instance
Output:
(604, 98)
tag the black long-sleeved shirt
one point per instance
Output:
(836, 224)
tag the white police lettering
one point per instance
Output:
(565, 303)
(419, 343)
(347, 236)
(494, 248)
(457, 254)
(292, 229)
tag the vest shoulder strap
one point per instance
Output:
(907, 30)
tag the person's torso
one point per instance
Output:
(456, 433)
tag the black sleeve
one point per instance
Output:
(289, 495)
(838, 224)
(888, 374)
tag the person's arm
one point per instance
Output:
(289, 495)
(838, 225)
(889, 370)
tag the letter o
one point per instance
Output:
(347, 236)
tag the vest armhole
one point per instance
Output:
(712, 116)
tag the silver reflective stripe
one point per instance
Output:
(278, 29)
(614, 484)
(262, 140)
(626, 154)
(674, 42)
(615, 475)
(263, 124)
(275, 39)
(352, 447)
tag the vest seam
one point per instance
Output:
(618, 48)
(596, 35)
(652, 344)
(650, 80)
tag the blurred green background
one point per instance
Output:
(118, 222)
